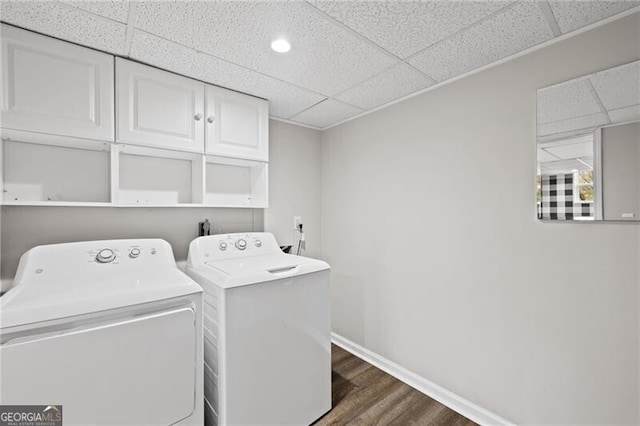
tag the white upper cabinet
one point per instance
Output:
(237, 125)
(158, 109)
(178, 141)
(53, 87)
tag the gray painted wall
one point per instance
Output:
(439, 264)
(26, 227)
(294, 185)
(621, 171)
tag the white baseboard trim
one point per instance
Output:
(456, 403)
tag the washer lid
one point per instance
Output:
(256, 269)
(249, 265)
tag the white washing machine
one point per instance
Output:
(110, 330)
(267, 344)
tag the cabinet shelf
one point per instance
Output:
(37, 174)
(119, 175)
(152, 176)
(54, 140)
(56, 204)
(233, 182)
(123, 206)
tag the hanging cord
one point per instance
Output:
(301, 241)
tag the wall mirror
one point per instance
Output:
(588, 147)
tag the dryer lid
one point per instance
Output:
(29, 302)
(65, 280)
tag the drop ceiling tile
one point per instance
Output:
(566, 100)
(116, 10)
(508, 32)
(572, 124)
(622, 115)
(326, 113)
(68, 23)
(393, 83)
(325, 57)
(589, 161)
(285, 99)
(166, 55)
(544, 156)
(569, 151)
(179, 21)
(562, 166)
(406, 27)
(572, 15)
(618, 87)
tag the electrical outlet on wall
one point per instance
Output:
(297, 220)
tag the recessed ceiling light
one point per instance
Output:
(281, 45)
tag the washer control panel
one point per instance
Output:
(228, 246)
(241, 243)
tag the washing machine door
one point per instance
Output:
(134, 370)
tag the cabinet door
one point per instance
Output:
(159, 109)
(50, 86)
(237, 125)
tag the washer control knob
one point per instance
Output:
(223, 246)
(105, 256)
(258, 243)
(241, 244)
(135, 252)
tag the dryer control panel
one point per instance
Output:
(231, 246)
(91, 258)
(142, 251)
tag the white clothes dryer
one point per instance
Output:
(110, 330)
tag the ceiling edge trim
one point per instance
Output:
(295, 123)
(496, 63)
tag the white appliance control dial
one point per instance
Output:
(258, 243)
(135, 252)
(241, 244)
(223, 246)
(105, 256)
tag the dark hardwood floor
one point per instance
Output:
(365, 395)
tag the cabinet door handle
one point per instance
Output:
(198, 117)
(211, 119)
